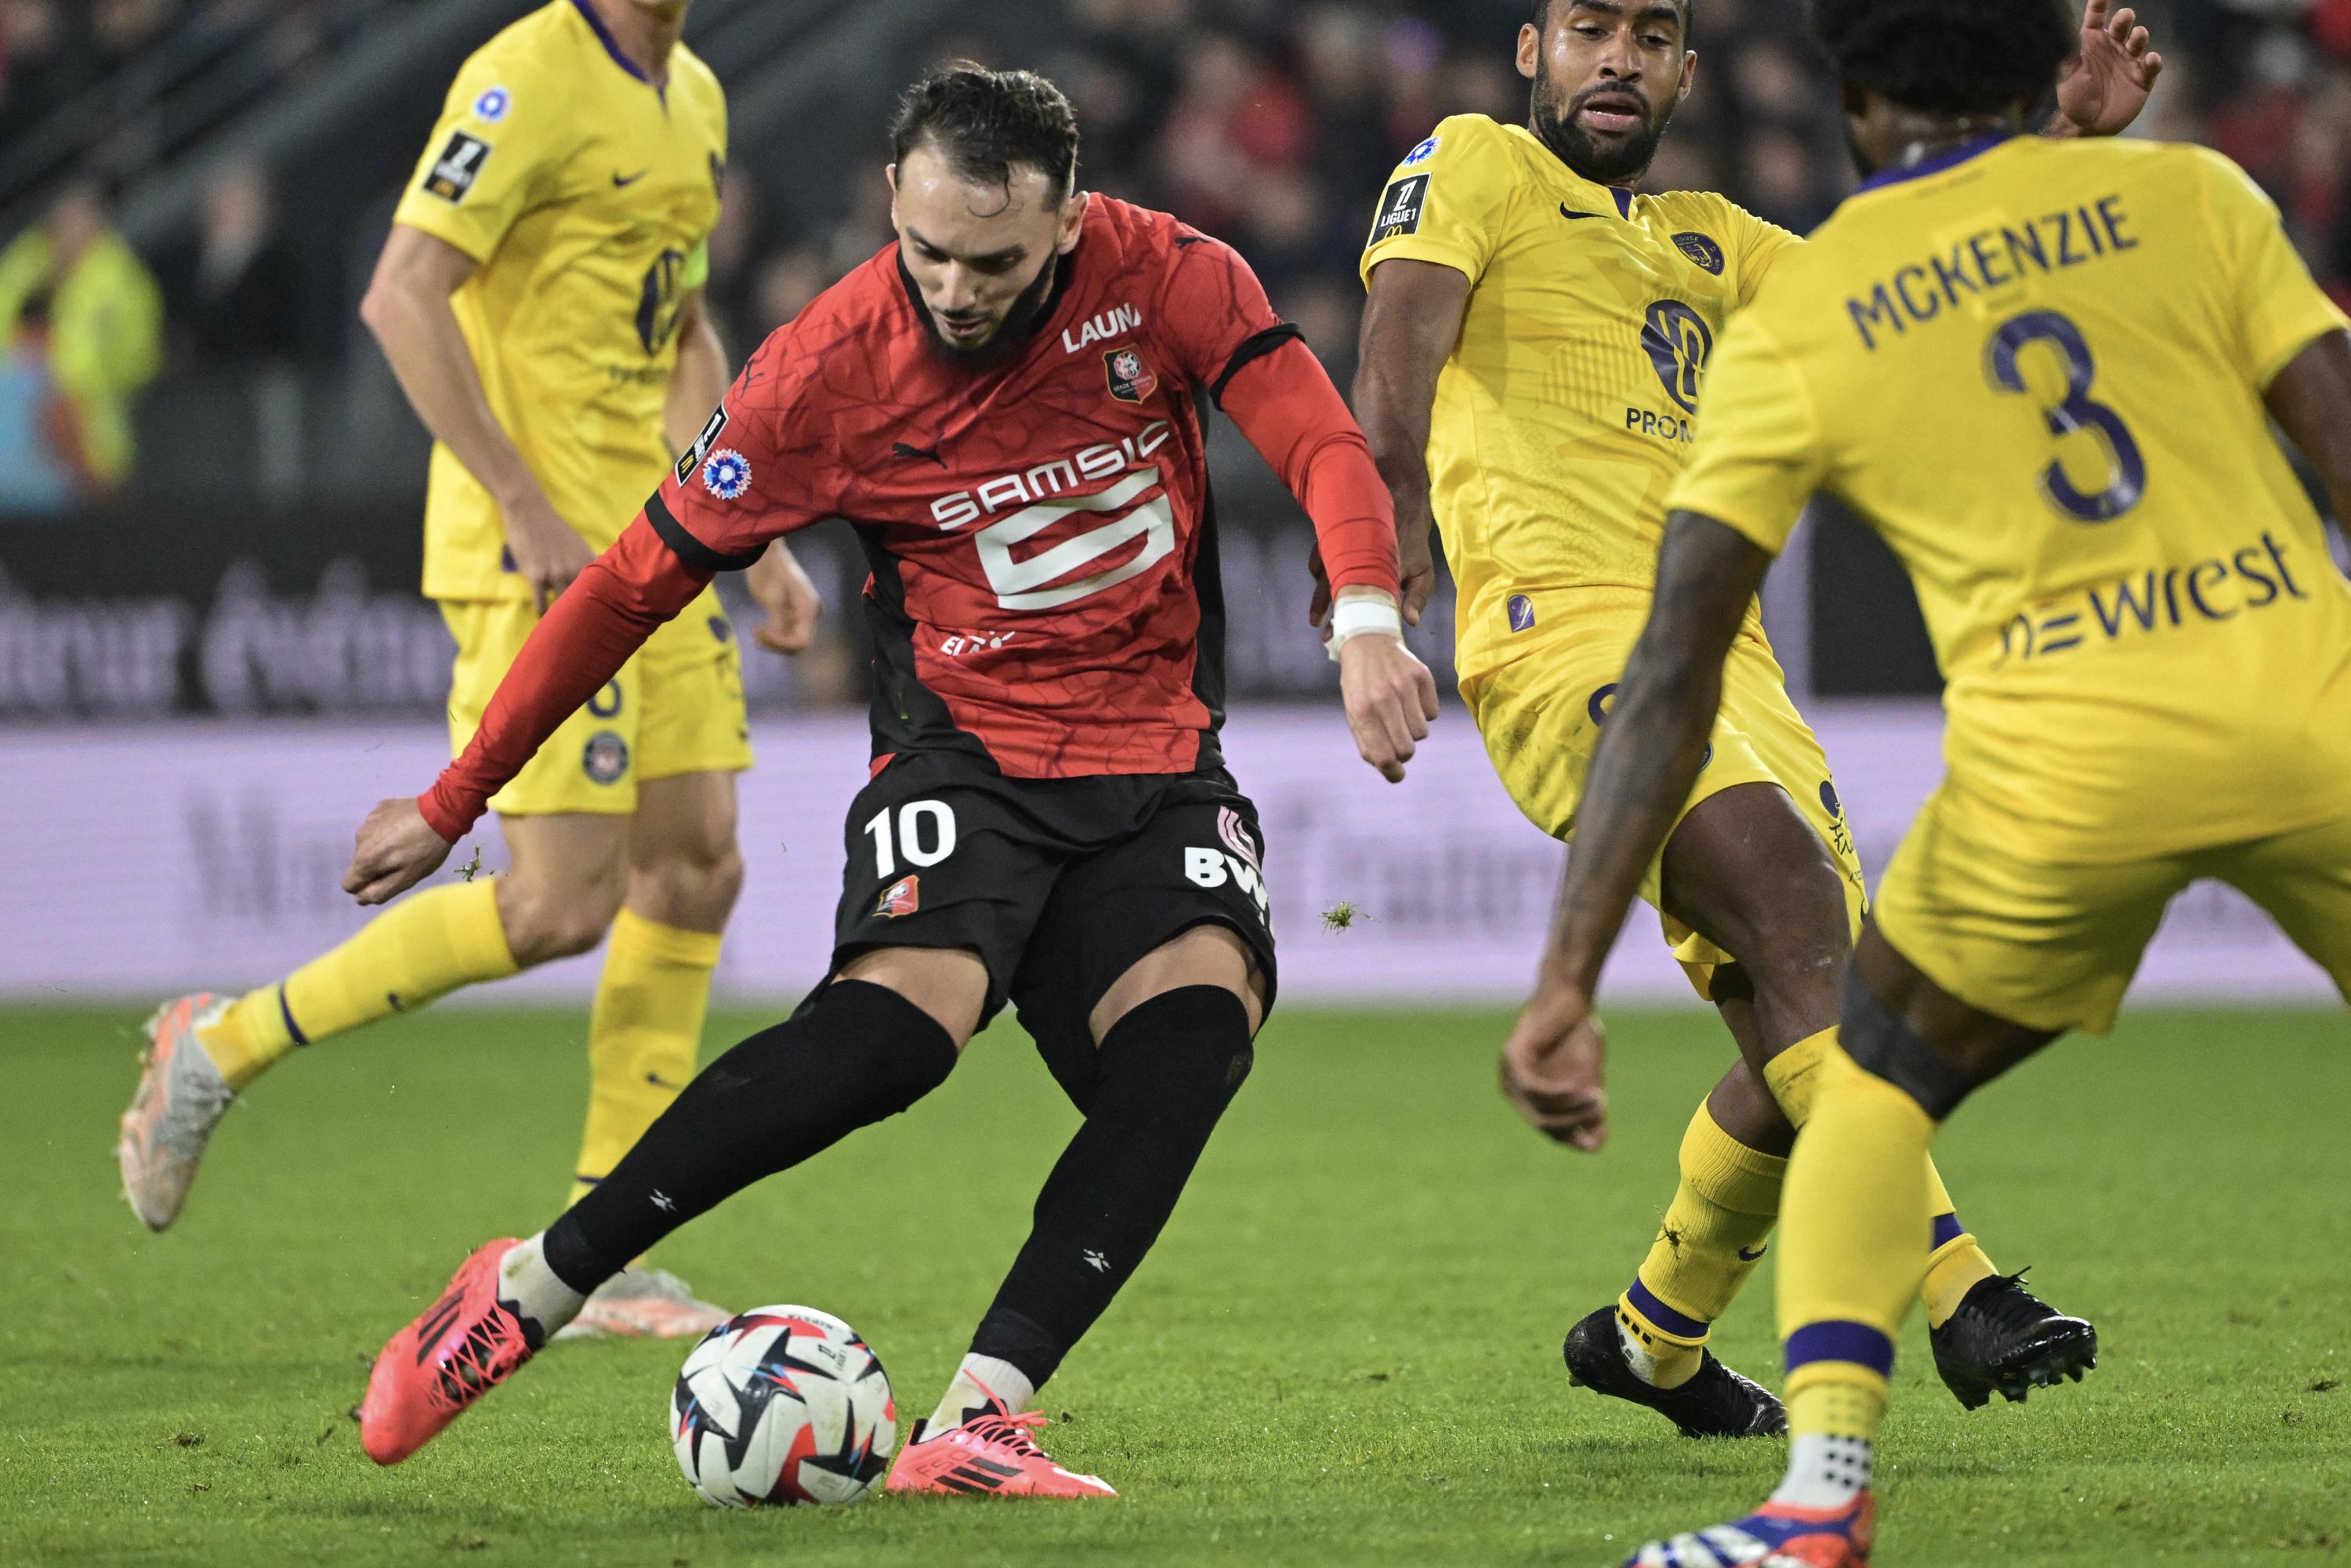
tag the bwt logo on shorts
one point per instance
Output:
(1679, 342)
(1235, 863)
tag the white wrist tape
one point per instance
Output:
(1354, 617)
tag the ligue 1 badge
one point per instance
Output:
(1131, 380)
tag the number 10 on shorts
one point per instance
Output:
(925, 835)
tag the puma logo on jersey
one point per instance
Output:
(1112, 323)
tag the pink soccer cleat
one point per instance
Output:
(466, 1344)
(990, 1455)
(180, 1100)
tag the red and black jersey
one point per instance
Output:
(1044, 584)
(1044, 589)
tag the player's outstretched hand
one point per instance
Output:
(547, 551)
(2106, 84)
(1553, 1069)
(1391, 698)
(397, 848)
(783, 591)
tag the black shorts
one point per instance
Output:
(1059, 884)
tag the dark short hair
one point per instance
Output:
(1540, 17)
(1947, 56)
(986, 124)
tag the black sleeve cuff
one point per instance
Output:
(1257, 348)
(688, 549)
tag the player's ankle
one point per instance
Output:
(980, 1382)
(1659, 1363)
(536, 1292)
(1824, 1472)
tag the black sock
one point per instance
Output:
(855, 1054)
(1169, 1067)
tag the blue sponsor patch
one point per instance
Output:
(1700, 249)
(1522, 613)
(1829, 801)
(605, 757)
(1421, 154)
(726, 473)
(492, 106)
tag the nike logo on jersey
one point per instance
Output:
(906, 449)
(1747, 1257)
(620, 179)
(1567, 211)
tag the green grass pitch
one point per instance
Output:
(1345, 1349)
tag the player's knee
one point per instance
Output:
(546, 918)
(1185, 1052)
(854, 1044)
(1880, 1042)
(695, 889)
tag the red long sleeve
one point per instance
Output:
(1284, 403)
(584, 639)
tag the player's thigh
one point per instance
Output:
(690, 715)
(1758, 710)
(2303, 880)
(1937, 1047)
(2014, 934)
(950, 984)
(684, 867)
(588, 766)
(566, 877)
(936, 859)
(1182, 901)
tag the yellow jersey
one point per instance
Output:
(586, 191)
(2037, 369)
(1568, 406)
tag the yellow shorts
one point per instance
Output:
(1542, 714)
(675, 708)
(2052, 946)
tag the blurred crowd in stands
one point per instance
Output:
(1270, 123)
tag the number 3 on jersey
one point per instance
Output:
(925, 835)
(2126, 466)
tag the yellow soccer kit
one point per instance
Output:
(2037, 369)
(1562, 419)
(585, 192)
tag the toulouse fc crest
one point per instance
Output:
(1131, 380)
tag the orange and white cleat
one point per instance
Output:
(1777, 1535)
(180, 1098)
(465, 1344)
(990, 1455)
(643, 1303)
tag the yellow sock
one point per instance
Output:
(642, 1036)
(1958, 1260)
(422, 947)
(1709, 1242)
(1850, 1252)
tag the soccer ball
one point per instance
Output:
(782, 1405)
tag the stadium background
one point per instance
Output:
(212, 660)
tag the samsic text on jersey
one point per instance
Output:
(1039, 526)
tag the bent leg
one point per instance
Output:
(1174, 1038)
(861, 1049)
(435, 941)
(1748, 872)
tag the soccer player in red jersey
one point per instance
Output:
(1006, 404)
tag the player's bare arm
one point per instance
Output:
(2311, 401)
(2106, 84)
(1649, 761)
(777, 584)
(407, 307)
(1411, 324)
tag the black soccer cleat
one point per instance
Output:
(1716, 1403)
(2005, 1340)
